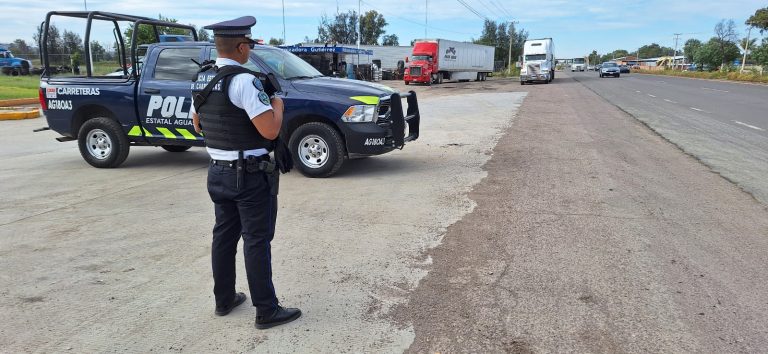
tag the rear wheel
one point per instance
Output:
(318, 148)
(103, 143)
(175, 148)
(618, 75)
(407, 83)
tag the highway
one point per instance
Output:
(723, 124)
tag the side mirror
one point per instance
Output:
(406, 59)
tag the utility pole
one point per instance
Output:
(746, 48)
(509, 62)
(677, 37)
(85, 4)
(284, 42)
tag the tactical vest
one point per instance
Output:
(225, 126)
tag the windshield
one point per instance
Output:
(286, 65)
(609, 65)
(535, 57)
(421, 57)
(578, 60)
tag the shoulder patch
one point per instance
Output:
(257, 84)
(264, 98)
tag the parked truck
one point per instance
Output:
(433, 61)
(10, 65)
(538, 61)
(326, 120)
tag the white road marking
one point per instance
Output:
(637, 91)
(749, 126)
(651, 95)
(670, 101)
(711, 89)
(698, 109)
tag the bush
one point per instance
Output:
(750, 76)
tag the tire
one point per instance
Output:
(24, 68)
(601, 76)
(102, 143)
(618, 75)
(440, 78)
(407, 83)
(317, 150)
(175, 148)
(522, 83)
(15, 72)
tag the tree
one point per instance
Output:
(372, 24)
(342, 29)
(275, 41)
(488, 36)
(759, 20)
(690, 48)
(713, 54)
(55, 44)
(73, 43)
(203, 35)
(98, 52)
(593, 57)
(390, 39)
(618, 53)
(760, 54)
(725, 35)
(498, 36)
(146, 34)
(654, 50)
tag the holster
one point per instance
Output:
(255, 164)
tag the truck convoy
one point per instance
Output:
(433, 61)
(538, 61)
(579, 64)
(10, 65)
(326, 120)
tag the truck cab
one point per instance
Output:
(423, 64)
(147, 103)
(10, 65)
(538, 61)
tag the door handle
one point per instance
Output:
(151, 90)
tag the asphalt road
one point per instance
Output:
(723, 124)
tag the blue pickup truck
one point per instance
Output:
(10, 65)
(147, 103)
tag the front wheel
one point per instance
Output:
(175, 148)
(103, 143)
(618, 75)
(318, 148)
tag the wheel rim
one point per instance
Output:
(313, 151)
(99, 144)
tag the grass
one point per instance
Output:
(752, 76)
(12, 87)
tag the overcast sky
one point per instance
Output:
(577, 27)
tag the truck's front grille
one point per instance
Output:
(415, 71)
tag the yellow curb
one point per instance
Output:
(18, 101)
(16, 113)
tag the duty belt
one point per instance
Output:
(252, 164)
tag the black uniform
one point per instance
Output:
(243, 191)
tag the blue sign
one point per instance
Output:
(337, 50)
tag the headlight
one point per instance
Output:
(359, 113)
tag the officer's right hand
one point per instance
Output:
(277, 104)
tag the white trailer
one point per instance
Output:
(538, 61)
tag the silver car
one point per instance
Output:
(610, 69)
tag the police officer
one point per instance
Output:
(240, 123)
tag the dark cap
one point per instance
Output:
(239, 27)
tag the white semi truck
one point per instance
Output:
(537, 61)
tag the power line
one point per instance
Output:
(473, 10)
(415, 22)
(487, 7)
(501, 8)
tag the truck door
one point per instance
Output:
(165, 97)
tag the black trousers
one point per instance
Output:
(250, 211)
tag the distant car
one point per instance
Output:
(590, 67)
(624, 69)
(610, 69)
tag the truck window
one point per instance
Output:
(175, 64)
(249, 65)
(535, 57)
